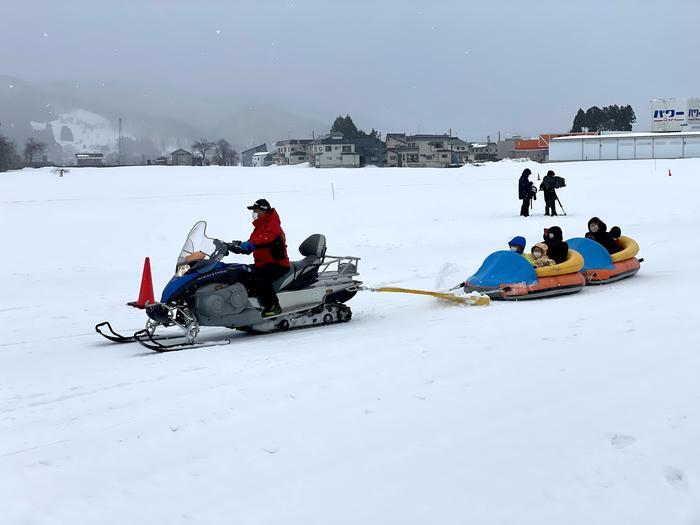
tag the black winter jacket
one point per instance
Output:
(524, 187)
(557, 249)
(602, 236)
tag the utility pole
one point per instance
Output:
(120, 144)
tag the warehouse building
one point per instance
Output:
(626, 146)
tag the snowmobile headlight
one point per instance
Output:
(182, 270)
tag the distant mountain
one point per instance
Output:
(256, 124)
(84, 117)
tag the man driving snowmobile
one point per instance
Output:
(268, 244)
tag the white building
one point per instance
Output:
(675, 114)
(335, 152)
(293, 151)
(260, 159)
(625, 146)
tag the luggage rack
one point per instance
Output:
(338, 266)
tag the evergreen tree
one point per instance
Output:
(579, 122)
(347, 127)
(609, 118)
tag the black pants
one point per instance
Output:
(550, 207)
(262, 280)
(550, 202)
(525, 208)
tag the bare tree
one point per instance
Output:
(31, 148)
(224, 154)
(202, 146)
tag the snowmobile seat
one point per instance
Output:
(304, 272)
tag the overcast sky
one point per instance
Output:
(476, 67)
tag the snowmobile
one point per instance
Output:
(208, 292)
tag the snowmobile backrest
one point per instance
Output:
(314, 245)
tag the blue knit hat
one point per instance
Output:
(517, 241)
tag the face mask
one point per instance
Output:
(515, 249)
(593, 227)
(255, 215)
(537, 255)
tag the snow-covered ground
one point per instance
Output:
(580, 409)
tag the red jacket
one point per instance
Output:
(268, 229)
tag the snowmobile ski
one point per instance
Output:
(116, 337)
(145, 339)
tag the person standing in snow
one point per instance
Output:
(526, 191)
(268, 244)
(548, 186)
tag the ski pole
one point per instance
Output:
(562, 207)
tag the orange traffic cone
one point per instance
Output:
(146, 292)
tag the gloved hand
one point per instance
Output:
(247, 247)
(234, 247)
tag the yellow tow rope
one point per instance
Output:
(472, 299)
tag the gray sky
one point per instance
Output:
(475, 67)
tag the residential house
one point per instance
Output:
(293, 151)
(247, 155)
(262, 158)
(505, 149)
(180, 157)
(481, 152)
(89, 159)
(435, 151)
(372, 151)
(334, 151)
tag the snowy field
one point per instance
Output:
(583, 409)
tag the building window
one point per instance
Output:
(328, 148)
(347, 149)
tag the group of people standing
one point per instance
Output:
(527, 192)
(555, 250)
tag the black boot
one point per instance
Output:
(272, 311)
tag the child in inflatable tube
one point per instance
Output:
(510, 275)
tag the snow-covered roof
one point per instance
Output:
(629, 136)
(261, 154)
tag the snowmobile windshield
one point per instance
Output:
(197, 241)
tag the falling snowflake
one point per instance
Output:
(218, 31)
(46, 35)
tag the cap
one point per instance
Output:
(260, 204)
